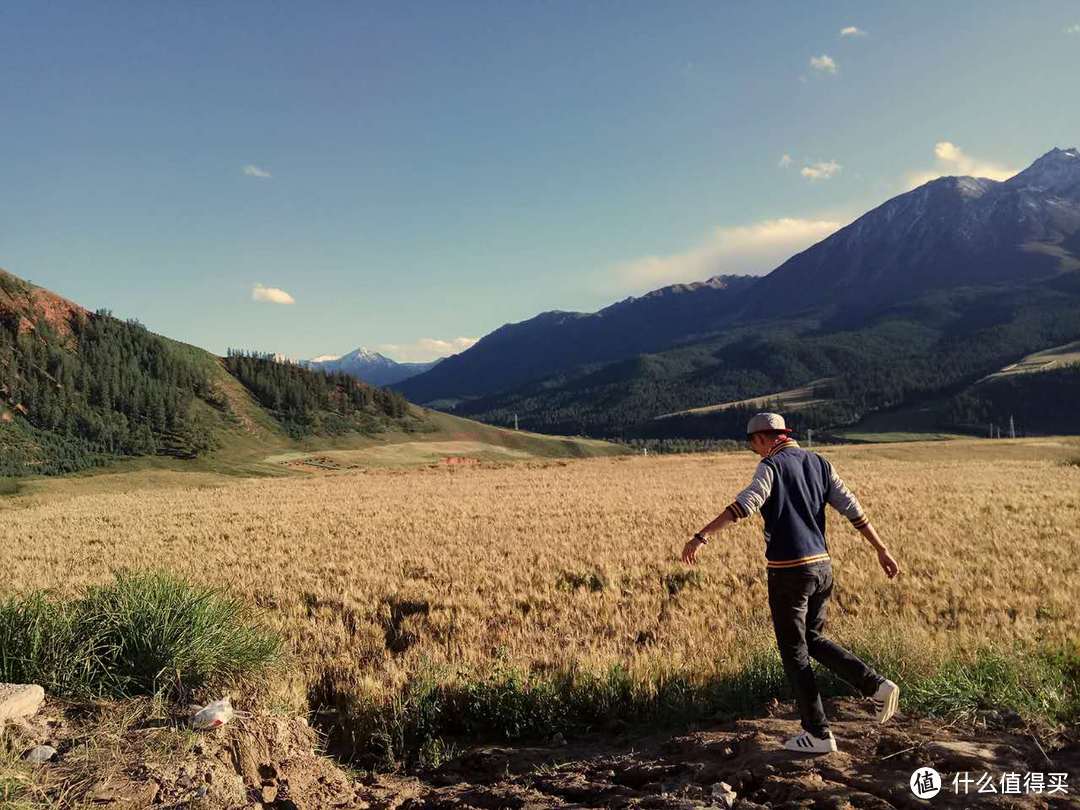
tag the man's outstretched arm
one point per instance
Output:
(745, 504)
(843, 500)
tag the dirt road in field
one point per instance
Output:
(742, 765)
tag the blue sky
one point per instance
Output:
(412, 175)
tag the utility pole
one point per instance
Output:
(645, 451)
(1012, 427)
(991, 434)
(515, 422)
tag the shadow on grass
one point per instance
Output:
(438, 710)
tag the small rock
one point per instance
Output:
(723, 792)
(19, 700)
(558, 740)
(40, 754)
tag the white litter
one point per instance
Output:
(40, 754)
(213, 715)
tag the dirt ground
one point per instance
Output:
(743, 764)
(270, 762)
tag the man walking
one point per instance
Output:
(790, 488)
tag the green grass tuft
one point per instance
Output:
(142, 634)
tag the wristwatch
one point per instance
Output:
(701, 538)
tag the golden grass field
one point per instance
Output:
(371, 574)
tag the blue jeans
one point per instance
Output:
(797, 599)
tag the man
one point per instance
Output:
(790, 488)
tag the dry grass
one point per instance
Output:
(374, 575)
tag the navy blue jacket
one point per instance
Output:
(791, 489)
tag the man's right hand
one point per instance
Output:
(888, 563)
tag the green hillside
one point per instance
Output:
(931, 348)
(82, 390)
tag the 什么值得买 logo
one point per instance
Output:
(925, 783)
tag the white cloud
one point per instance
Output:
(251, 170)
(852, 31)
(952, 160)
(820, 171)
(1073, 29)
(753, 249)
(824, 64)
(271, 295)
(426, 349)
(785, 161)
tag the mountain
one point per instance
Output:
(949, 232)
(916, 299)
(557, 341)
(369, 366)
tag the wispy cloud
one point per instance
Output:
(426, 349)
(1073, 29)
(852, 31)
(820, 171)
(755, 249)
(271, 295)
(785, 161)
(824, 64)
(952, 160)
(251, 170)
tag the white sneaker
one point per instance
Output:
(887, 700)
(807, 743)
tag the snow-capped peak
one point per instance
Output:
(1057, 171)
(364, 353)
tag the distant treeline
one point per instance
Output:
(308, 402)
(107, 388)
(668, 446)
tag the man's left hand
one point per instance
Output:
(689, 552)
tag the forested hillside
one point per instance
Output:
(309, 402)
(80, 389)
(934, 346)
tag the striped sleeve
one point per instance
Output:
(754, 495)
(843, 500)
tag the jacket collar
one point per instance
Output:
(782, 445)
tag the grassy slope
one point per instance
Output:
(251, 443)
(1046, 360)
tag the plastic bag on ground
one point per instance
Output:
(213, 715)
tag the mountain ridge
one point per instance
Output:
(518, 352)
(956, 259)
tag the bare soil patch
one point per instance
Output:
(872, 769)
(273, 762)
